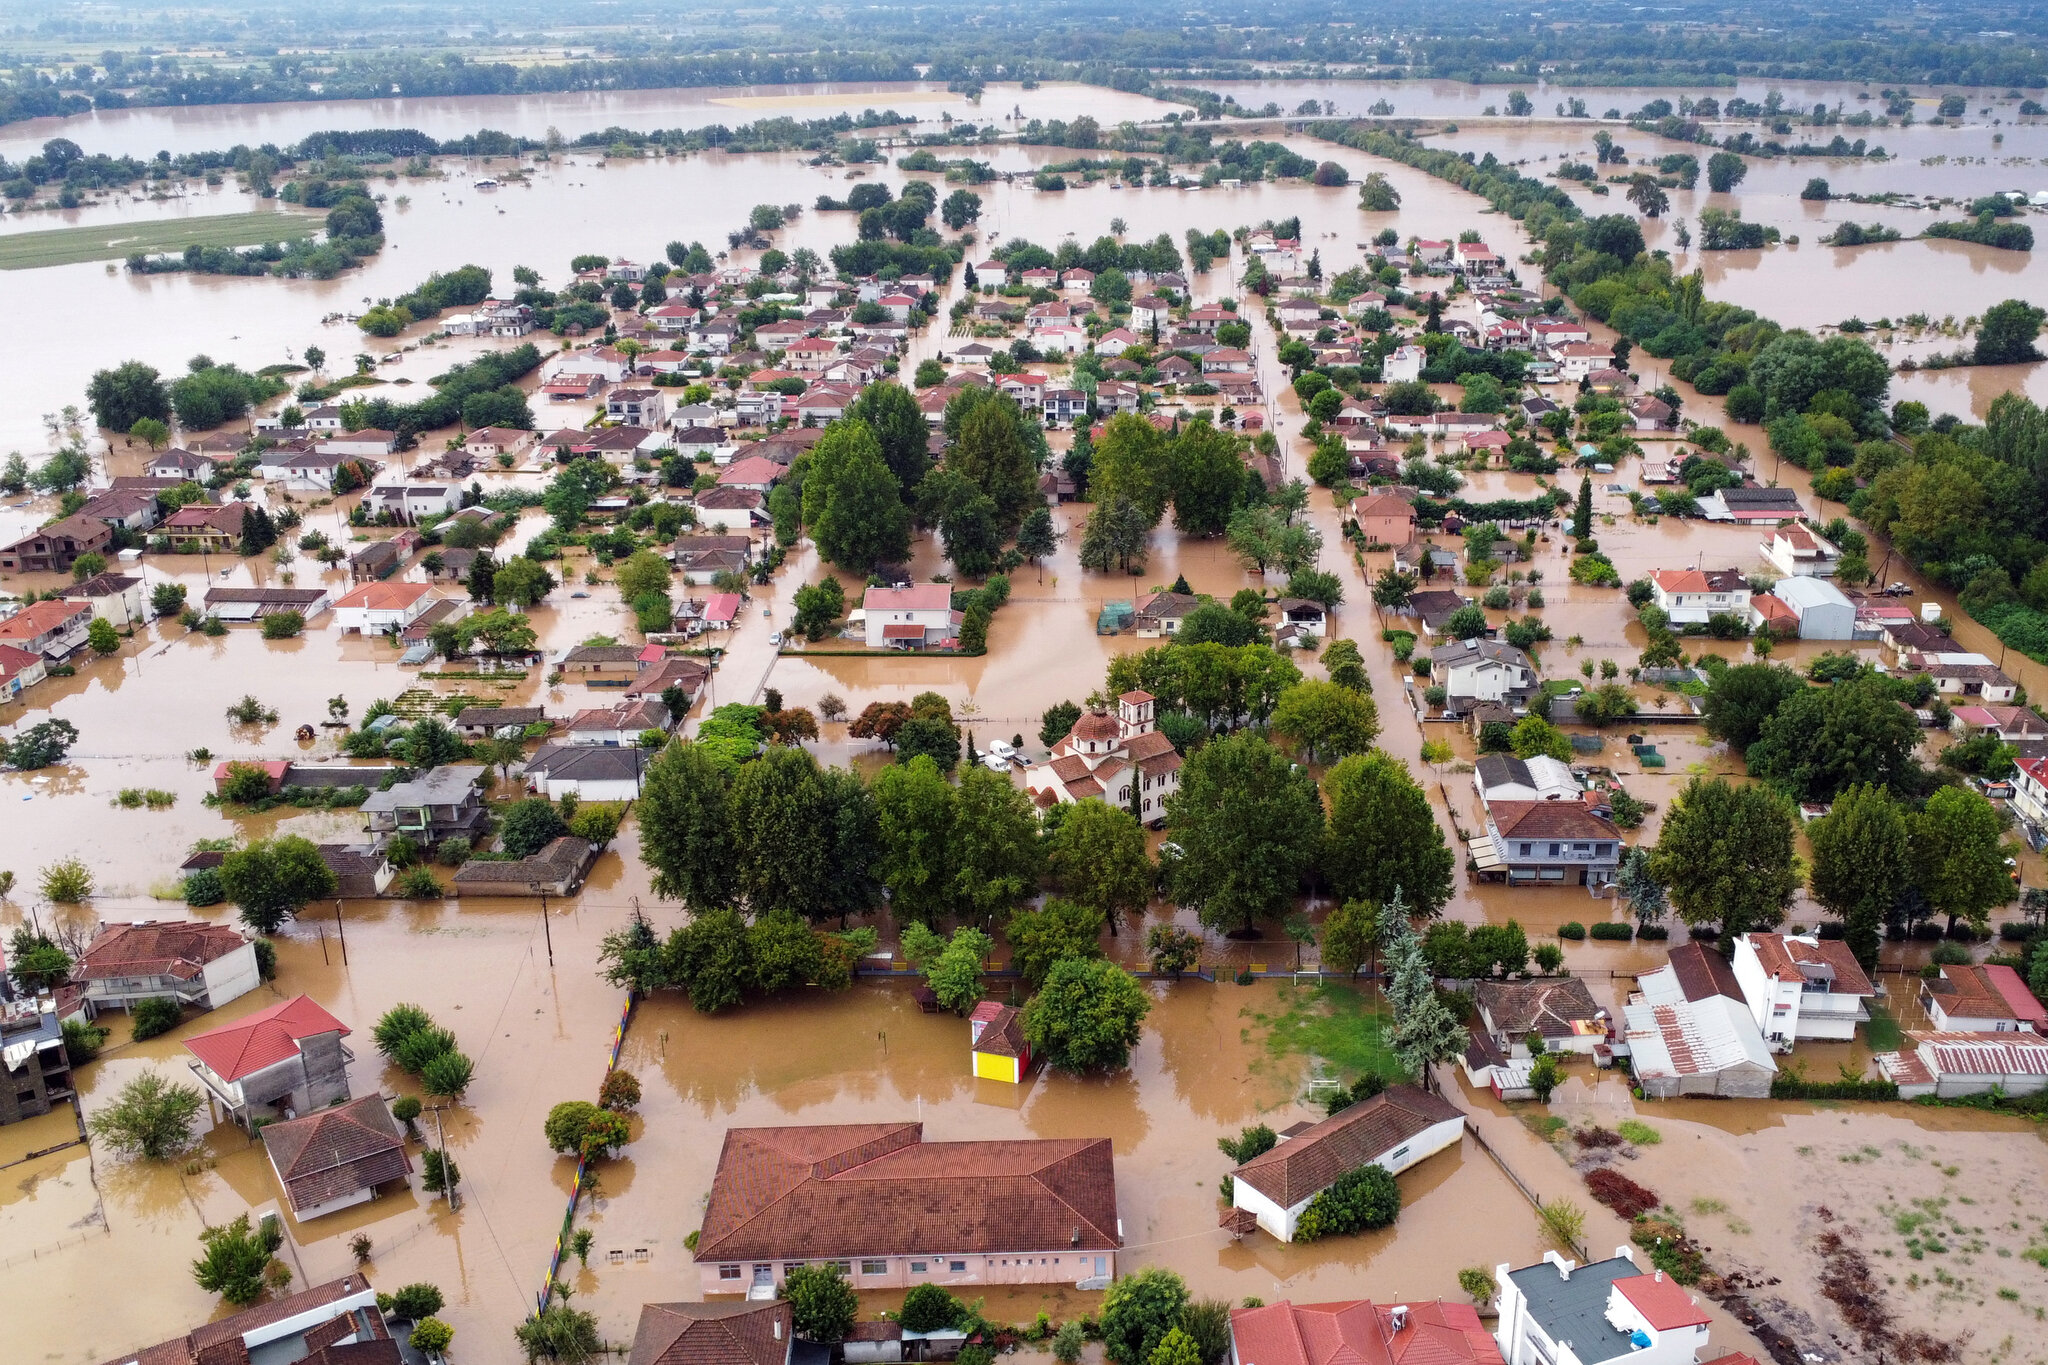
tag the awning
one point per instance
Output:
(912, 632)
(1485, 857)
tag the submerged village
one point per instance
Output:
(1125, 744)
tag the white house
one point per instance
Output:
(1503, 777)
(620, 726)
(201, 965)
(115, 598)
(1959, 672)
(1981, 999)
(1813, 608)
(411, 502)
(367, 441)
(180, 464)
(1967, 1064)
(637, 406)
(1102, 756)
(1801, 987)
(1559, 1313)
(380, 608)
(1404, 365)
(2030, 791)
(1482, 670)
(1690, 596)
(1575, 361)
(915, 617)
(1796, 552)
(592, 772)
(1394, 1129)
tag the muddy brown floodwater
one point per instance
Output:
(70, 1221)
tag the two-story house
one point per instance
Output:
(115, 598)
(200, 965)
(1801, 987)
(276, 1063)
(55, 630)
(916, 617)
(35, 1069)
(1556, 1312)
(1691, 596)
(1796, 552)
(2030, 791)
(636, 406)
(446, 802)
(1404, 365)
(1474, 671)
(54, 548)
(1552, 843)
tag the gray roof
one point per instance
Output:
(445, 786)
(1574, 1308)
(1465, 651)
(1757, 497)
(1502, 770)
(588, 763)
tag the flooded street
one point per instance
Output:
(1206, 1065)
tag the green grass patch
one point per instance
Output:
(1338, 1024)
(118, 241)
(1882, 1032)
(1638, 1132)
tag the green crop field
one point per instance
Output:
(118, 241)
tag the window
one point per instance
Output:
(840, 1268)
(1525, 849)
(788, 1266)
(874, 1267)
(1399, 1152)
(919, 1267)
(957, 1267)
(617, 1257)
(728, 1272)
(1555, 849)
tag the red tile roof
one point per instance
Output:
(1662, 1303)
(1980, 992)
(179, 949)
(1781, 956)
(385, 596)
(336, 1152)
(917, 597)
(1002, 1032)
(1301, 1166)
(262, 1039)
(712, 1334)
(880, 1189)
(1550, 820)
(1359, 1332)
(200, 1343)
(39, 618)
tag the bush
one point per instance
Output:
(1619, 1193)
(203, 888)
(412, 1302)
(405, 1108)
(1656, 932)
(1616, 930)
(1360, 1201)
(421, 1047)
(156, 1015)
(399, 1023)
(620, 1092)
(82, 1041)
(1549, 957)
(1788, 1086)
(928, 1308)
(448, 1075)
(1571, 929)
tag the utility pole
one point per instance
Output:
(546, 928)
(343, 933)
(447, 1172)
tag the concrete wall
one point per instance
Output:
(232, 976)
(1065, 1266)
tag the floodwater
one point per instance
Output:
(482, 967)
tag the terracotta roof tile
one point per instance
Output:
(262, 1039)
(1301, 1166)
(874, 1189)
(712, 1334)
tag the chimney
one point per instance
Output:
(1398, 1317)
(778, 1326)
(1076, 1240)
(1658, 1277)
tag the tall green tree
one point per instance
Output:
(1207, 474)
(1087, 1016)
(271, 880)
(124, 395)
(1249, 824)
(1325, 721)
(852, 503)
(1823, 740)
(1725, 855)
(1383, 837)
(952, 967)
(916, 810)
(1582, 511)
(823, 1306)
(1860, 860)
(780, 809)
(994, 451)
(997, 857)
(1740, 699)
(1138, 1311)
(1958, 857)
(1425, 1031)
(1098, 856)
(889, 411)
(686, 828)
(1133, 462)
(149, 1117)
(1059, 930)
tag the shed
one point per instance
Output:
(1000, 1051)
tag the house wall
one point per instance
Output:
(621, 789)
(231, 976)
(1949, 1084)
(1281, 1222)
(1064, 1266)
(990, 1067)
